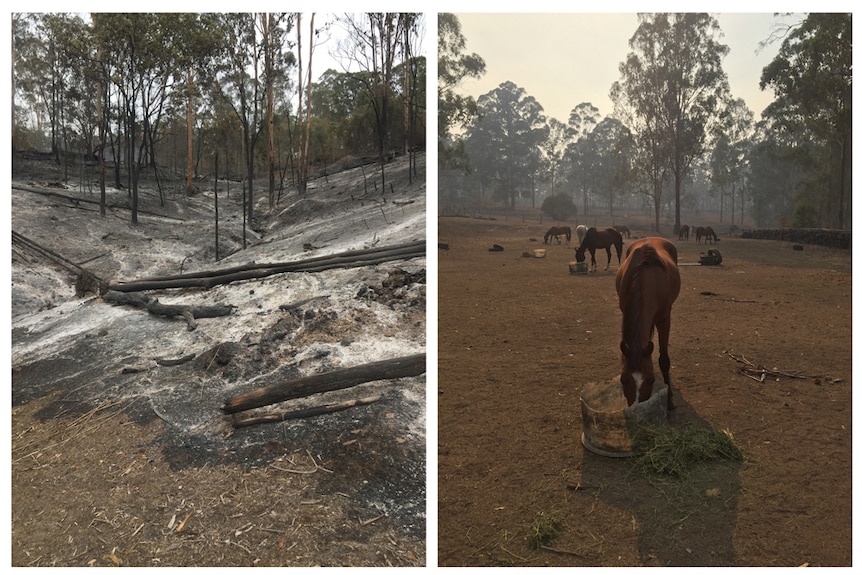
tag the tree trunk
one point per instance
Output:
(190, 122)
(103, 200)
(266, 25)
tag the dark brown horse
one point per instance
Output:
(624, 231)
(707, 233)
(557, 233)
(647, 285)
(683, 232)
(598, 238)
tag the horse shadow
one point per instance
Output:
(677, 521)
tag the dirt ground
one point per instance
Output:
(519, 337)
(118, 460)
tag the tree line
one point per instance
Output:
(226, 95)
(677, 138)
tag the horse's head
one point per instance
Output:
(637, 376)
(580, 256)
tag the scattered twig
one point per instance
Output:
(370, 521)
(305, 471)
(759, 372)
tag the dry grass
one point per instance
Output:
(676, 450)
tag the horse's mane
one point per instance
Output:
(632, 309)
(641, 257)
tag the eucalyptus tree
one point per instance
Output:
(334, 101)
(669, 94)
(304, 105)
(412, 75)
(453, 109)
(729, 156)
(374, 42)
(50, 70)
(812, 77)
(504, 142)
(609, 146)
(553, 150)
(132, 42)
(239, 85)
(582, 119)
(197, 44)
(780, 162)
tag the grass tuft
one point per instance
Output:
(676, 450)
(543, 531)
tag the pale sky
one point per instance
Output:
(563, 60)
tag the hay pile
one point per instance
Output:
(676, 450)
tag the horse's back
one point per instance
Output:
(651, 250)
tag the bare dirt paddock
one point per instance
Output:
(519, 337)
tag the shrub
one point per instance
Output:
(560, 207)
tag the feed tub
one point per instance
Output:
(610, 425)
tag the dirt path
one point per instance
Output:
(518, 339)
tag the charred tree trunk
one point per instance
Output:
(408, 366)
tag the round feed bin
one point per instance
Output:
(610, 425)
(577, 267)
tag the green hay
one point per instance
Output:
(676, 450)
(543, 531)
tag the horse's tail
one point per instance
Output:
(568, 235)
(547, 235)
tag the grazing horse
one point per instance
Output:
(557, 232)
(647, 285)
(707, 233)
(683, 232)
(597, 238)
(581, 231)
(624, 231)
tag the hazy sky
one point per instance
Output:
(563, 60)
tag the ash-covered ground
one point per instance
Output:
(74, 355)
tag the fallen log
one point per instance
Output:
(408, 366)
(83, 200)
(257, 271)
(152, 305)
(306, 412)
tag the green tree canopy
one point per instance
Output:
(812, 76)
(504, 142)
(453, 109)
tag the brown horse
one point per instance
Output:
(647, 285)
(683, 232)
(557, 232)
(624, 231)
(597, 238)
(707, 233)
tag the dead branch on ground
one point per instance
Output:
(152, 305)
(759, 372)
(408, 366)
(306, 412)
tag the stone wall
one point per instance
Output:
(840, 239)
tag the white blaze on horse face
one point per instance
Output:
(639, 380)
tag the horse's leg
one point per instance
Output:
(663, 328)
(608, 249)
